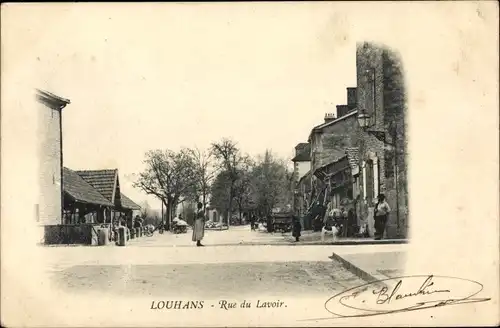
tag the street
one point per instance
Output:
(226, 267)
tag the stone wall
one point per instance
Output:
(49, 206)
(332, 141)
(395, 124)
(384, 100)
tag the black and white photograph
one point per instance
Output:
(250, 164)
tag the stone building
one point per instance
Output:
(330, 140)
(382, 143)
(50, 176)
(301, 167)
(301, 161)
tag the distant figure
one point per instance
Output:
(252, 222)
(296, 227)
(199, 226)
(381, 213)
(137, 222)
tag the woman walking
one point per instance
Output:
(199, 225)
(381, 212)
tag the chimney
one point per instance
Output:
(329, 117)
(343, 110)
(351, 97)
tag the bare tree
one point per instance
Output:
(204, 174)
(219, 192)
(229, 158)
(168, 176)
(145, 210)
(243, 186)
(270, 182)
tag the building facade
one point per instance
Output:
(301, 167)
(50, 177)
(330, 140)
(382, 143)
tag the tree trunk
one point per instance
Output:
(230, 209)
(169, 206)
(204, 202)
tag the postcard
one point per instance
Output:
(249, 164)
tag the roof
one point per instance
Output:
(104, 181)
(352, 156)
(128, 203)
(334, 156)
(326, 124)
(51, 99)
(301, 145)
(304, 155)
(305, 176)
(81, 191)
(331, 156)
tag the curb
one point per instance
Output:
(356, 270)
(354, 242)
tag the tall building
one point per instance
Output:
(50, 178)
(381, 103)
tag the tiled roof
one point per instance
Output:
(352, 156)
(81, 191)
(102, 180)
(128, 203)
(304, 155)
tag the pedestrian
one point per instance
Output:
(137, 222)
(199, 226)
(381, 213)
(297, 227)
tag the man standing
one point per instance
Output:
(381, 213)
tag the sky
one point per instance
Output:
(176, 80)
(161, 76)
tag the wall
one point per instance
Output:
(49, 206)
(395, 123)
(333, 140)
(302, 169)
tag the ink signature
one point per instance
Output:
(402, 294)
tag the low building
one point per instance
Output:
(82, 202)
(107, 183)
(128, 207)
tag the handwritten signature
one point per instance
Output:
(402, 294)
